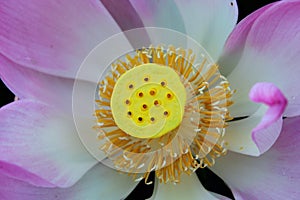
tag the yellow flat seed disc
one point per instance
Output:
(148, 101)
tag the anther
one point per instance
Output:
(130, 86)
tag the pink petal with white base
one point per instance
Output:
(235, 42)
(53, 36)
(99, 183)
(274, 175)
(43, 142)
(257, 133)
(31, 84)
(209, 22)
(20, 173)
(270, 54)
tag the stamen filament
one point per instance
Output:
(178, 150)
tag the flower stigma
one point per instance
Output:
(161, 109)
(149, 106)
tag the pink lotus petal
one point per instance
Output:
(28, 83)
(270, 95)
(270, 53)
(37, 139)
(124, 14)
(274, 175)
(209, 22)
(19, 173)
(99, 183)
(234, 45)
(257, 133)
(53, 36)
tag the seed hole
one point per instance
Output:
(156, 102)
(140, 119)
(169, 96)
(152, 92)
(141, 94)
(130, 86)
(166, 113)
(145, 106)
(127, 102)
(163, 83)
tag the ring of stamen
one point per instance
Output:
(181, 149)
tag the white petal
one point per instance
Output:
(188, 188)
(209, 22)
(239, 134)
(99, 183)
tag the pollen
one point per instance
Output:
(162, 109)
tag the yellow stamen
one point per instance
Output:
(158, 111)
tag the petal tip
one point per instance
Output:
(270, 95)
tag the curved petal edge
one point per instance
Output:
(270, 95)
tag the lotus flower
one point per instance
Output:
(43, 44)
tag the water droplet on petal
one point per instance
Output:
(283, 172)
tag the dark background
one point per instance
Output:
(5, 95)
(245, 8)
(248, 6)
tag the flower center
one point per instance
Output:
(148, 101)
(162, 110)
